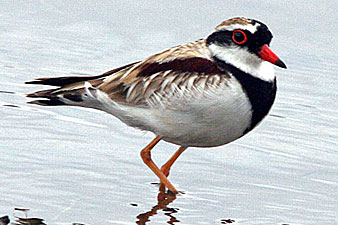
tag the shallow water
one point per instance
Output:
(72, 165)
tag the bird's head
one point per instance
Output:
(243, 43)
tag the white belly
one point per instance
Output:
(207, 118)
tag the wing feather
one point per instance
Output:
(176, 72)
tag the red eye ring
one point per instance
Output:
(243, 36)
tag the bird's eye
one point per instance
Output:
(239, 37)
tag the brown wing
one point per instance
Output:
(179, 68)
(162, 80)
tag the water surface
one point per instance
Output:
(73, 165)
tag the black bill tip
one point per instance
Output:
(280, 63)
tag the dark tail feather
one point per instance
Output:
(47, 102)
(63, 81)
(51, 99)
(42, 94)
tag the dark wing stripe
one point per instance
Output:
(190, 65)
(62, 81)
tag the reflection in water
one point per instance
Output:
(163, 200)
(26, 220)
(4, 220)
(227, 221)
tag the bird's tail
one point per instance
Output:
(72, 90)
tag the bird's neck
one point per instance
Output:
(244, 60)
(261, 93)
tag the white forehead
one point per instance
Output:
(250, 27)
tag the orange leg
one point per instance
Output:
(146, 156)
(166, 167)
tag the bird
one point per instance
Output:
(202, 94)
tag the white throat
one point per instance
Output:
(245, 61)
